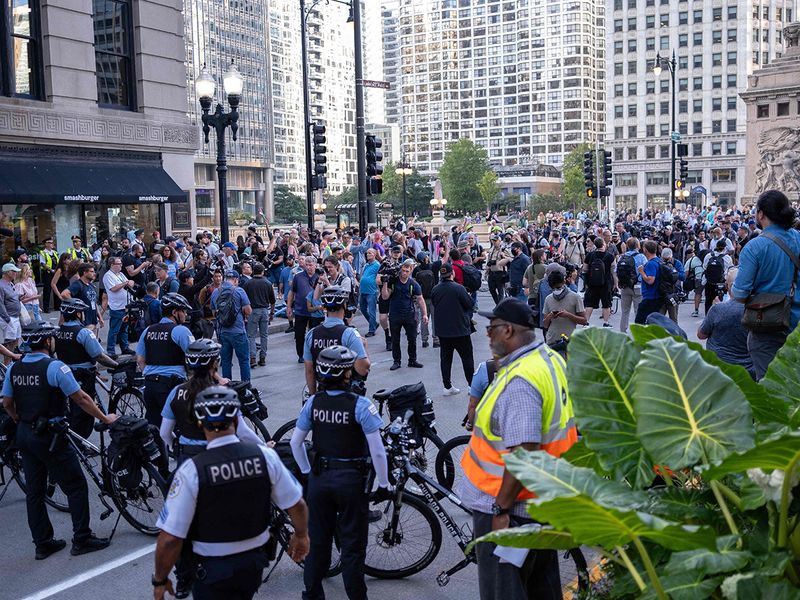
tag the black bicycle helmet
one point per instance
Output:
(202, 353)
(35, 333)
(216, 407)
(72, 306)
(333, 362)
(334, 297)
(173, 301)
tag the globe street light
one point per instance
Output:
(233, 83)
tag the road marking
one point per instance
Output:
(90, 574)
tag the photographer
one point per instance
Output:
(497, 261)
(389, 271)
(401, 296)
(672, 274)
(133, 264)
(715, 268)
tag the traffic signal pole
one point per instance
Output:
(306, 116)
(597, 158)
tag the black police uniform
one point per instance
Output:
(324, 337)
(37, 401)
(338, 486)
(71, 352)
(160, 351)
(233, 503)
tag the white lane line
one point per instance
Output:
(90, 574)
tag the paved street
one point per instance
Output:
(123, 571)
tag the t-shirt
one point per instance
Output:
(116, 300)
(286, 277)
(301, 285)
(651, 267)
(726, 336)
(401, 302)
(129, 260)
(87, 293)
(608, 260)
(572, 303)
(240, 300)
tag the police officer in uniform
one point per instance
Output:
(334, 332)
(34, 392)
(78, 348)
(220, 500)
(48, 262)
(348, 445)
(161, 354)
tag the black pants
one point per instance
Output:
(156, 390)
(336, 497)
(63, 469)
(537, 579)
(711, 294)
(462, 345)
(409, 324)
(646, 308)
(186, 565)
(497, 285)
(301, 325)
(47, 293)
(235, 577)
(80, 421)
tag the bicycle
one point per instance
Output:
(125, 395)
(255, 412)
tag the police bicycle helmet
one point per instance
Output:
(334, 297)
(202, 353)
(174, 301)
(333, 362)
(35, 333)
(216, 407)
(72, 306)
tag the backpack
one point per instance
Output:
(597, 271)
(472, 277)
(626, 271)
(136, 318)
(668, 277)
(8, 430)
(226, 307)
(715, 269)
(425, 280)
(164, 288)
(125, 457)
(413, 396)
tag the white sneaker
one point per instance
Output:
(453, 391)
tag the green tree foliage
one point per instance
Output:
(573, 191)
(289, 207)
(418, 191)
(488, 188)
(348, 196)
(464, 165)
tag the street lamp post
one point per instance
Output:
(404, 170)
(671, 64)
(204, 86)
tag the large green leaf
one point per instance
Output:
(534, 535)
(708, 562)
(755, 586)
(775, 454)
(782, 381)
(642, 334)
(595, 525)
(688, 585)
(681, 504)
(549, 477)
(688, 412)
(601, 364)
(582, 456)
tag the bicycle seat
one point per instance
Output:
(382, 395)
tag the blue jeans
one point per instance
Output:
(116, 332)
(368, 304)
(274, 274)
(234, 342)
(258, 323)
(33, 308)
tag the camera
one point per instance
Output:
(389, 273)
(676, 298)
(720, 291)
(491, 263)
(319, 270)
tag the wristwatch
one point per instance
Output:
(157, 583)
(497, 510)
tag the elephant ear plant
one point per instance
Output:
(685, 477)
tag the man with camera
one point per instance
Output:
(134, 265)
(497, 262)
(118, 289)
(672, 274)
(34, 395)
(715, 267)
(401, 295)
(388, 272)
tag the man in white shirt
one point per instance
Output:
(117, 288)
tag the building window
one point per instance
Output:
(731, 125)
(618, 156)
(632, 131)
(617, 25)
(716, 148)
(783, 109)
(626, 179)
(663, 129)
(650, 152)
(716, 126)
(697, 149)
(732, 12)
(618, 114)
(730, 147)
(650, 43)
(683, 128)
(732, 80)
(22, 62)
(657, 178)
(113, 50)
(683, 106)
(697, 105)
(650, 131)
(716, 36)
(697, 61)
(664, 150)
(716, 82)
(697, 127)
(650, 21)
(632, 110)
(697, 16)
(762, 111)
(732, 103)
(694, 177)
(723, 175)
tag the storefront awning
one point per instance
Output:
(59, 182)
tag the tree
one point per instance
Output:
(573, 189)
(549, 202)
(348, 196)
(289, 207)
(418, 191)
(464, 165)
(488, 188)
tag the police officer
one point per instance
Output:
(78, 348)
(48, 262)
(161, 354)
(221, 501)
(34, 393)
(333, 332)
(346, 439)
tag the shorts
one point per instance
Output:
(383, 306)
(11, 331)
(596, 296)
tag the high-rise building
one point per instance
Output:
(716, 47)
(391, 60)
(523, 78)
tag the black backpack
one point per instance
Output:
(472, 277)
(715, 269)
(667, 278)
(226, 307)
(597, 271)
(125, 455)
(626, 271)
(413, 396)
(8, 430)
(136, 316)
(424, 278)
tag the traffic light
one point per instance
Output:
(588, 173)
(374, 166)
(605, 184)
(318, 180)
(684, 169)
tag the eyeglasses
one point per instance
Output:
(489, 328)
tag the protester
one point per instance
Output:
(452, 327)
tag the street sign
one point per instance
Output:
(676, 137)
(381, 85)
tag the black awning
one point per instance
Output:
(59, 182)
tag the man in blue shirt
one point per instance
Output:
(302, 284)
(765, 268)
(233, 337)
(161, 355)
(83, 288)
(651, 299)
(402, 296)
(368, 291)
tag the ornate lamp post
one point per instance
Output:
(219, 121)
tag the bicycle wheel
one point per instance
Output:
(53, 495)
(394, 553)
(258, 426)
(285, 431)
(141, 505)
(448, 461)
(283, 530)
(127, 401)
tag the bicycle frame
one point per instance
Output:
(80, 445)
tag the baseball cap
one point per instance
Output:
(184, 275)
(230, 245)
(20, 252)
(170, 238)
(519, 245)
(397, 248)
(10, 267)
(139, 232)
(446, 269)
(231, 274)
(180, 245)
(554, 267)
(511, 310)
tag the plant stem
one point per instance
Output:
(609, 556)
(726, 511)
(637, 577)
(783, 518)
(730, 495)
(651, 570)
